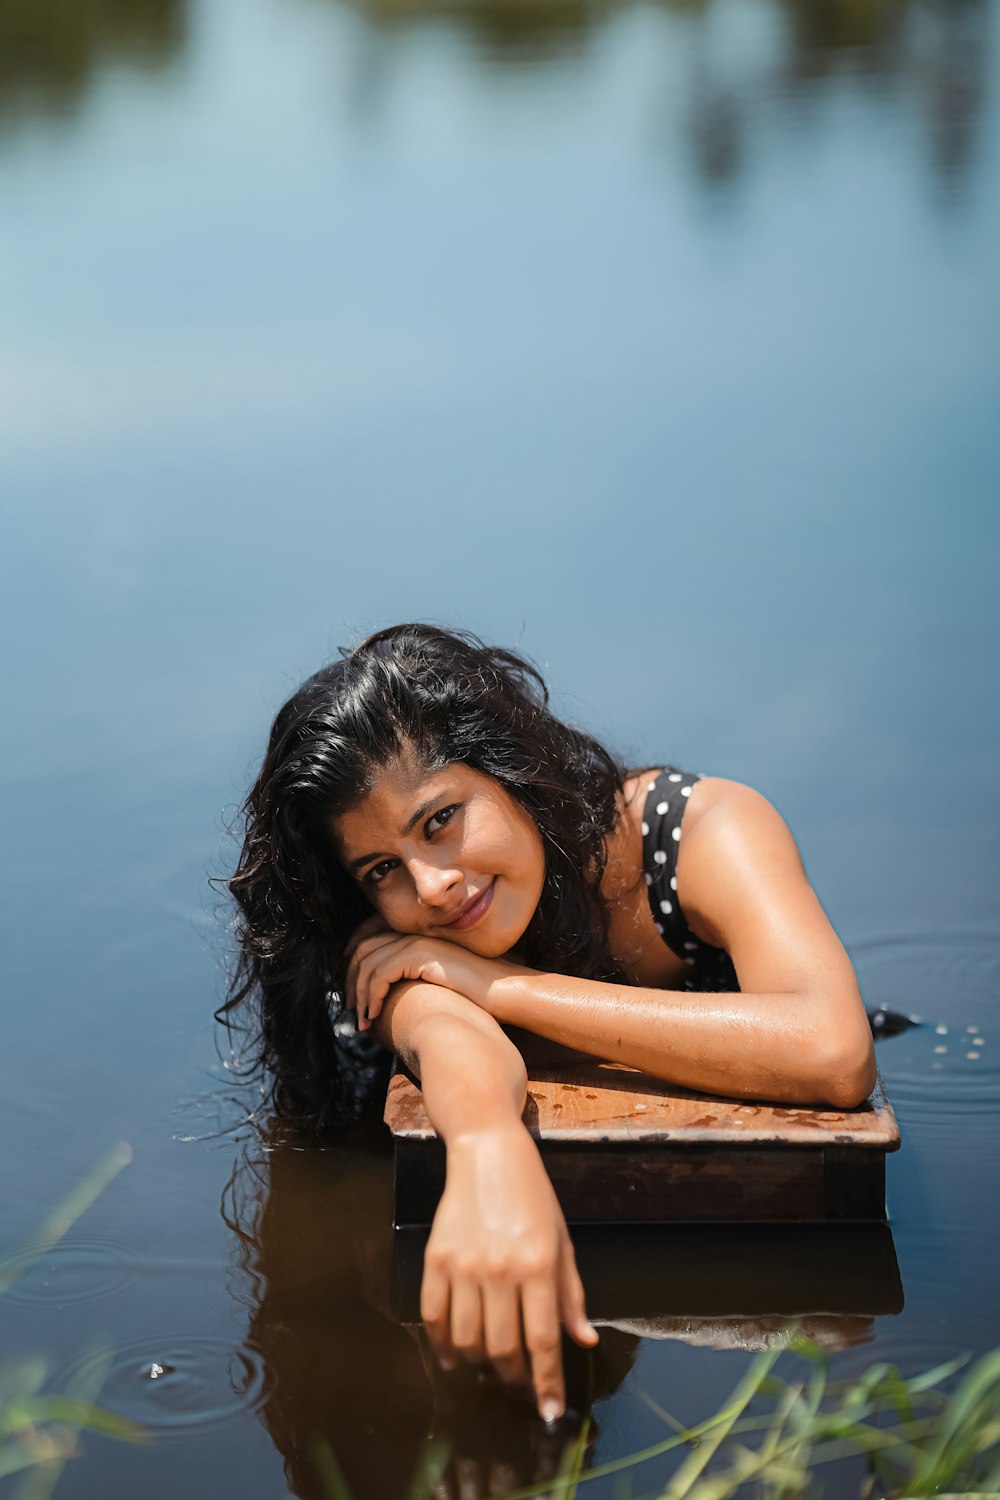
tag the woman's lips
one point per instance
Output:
(469, 915)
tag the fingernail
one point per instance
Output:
(550, 1411)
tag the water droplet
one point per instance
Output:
(941, 1030)
(972, 1056)
(940, 1049)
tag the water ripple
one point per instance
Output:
(175, 1385)
(939, 975)
(66, 1271)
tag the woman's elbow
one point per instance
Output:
(847, 1073)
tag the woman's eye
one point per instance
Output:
(442, 817)
(378, 872)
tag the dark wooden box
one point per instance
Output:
(621, 1147)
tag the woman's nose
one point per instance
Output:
(434, 885)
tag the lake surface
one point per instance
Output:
(659, 341)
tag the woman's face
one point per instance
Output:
(448, 854)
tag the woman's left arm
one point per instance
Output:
(797, 1030)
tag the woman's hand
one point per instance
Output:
(382, 957)
(500, 1275)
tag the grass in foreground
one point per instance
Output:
(39, 1432)
(917, 1440)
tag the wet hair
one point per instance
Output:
(448, 697)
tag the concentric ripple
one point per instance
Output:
(939, 976)
(948, 1068)
(67, 1271)
(175, 1385)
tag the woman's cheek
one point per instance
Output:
(395, 915)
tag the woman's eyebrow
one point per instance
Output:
(408, 827)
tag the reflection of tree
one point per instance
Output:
(512, 30)
(515, 29)
(933, 49)
(50, 49)
(824, 28)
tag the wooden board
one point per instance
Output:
(605, 1102)
(624, 1148)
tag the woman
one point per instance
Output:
(429, 846)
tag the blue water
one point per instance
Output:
(659, 341)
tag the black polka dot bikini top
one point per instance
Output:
(667, 794)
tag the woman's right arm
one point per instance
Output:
(499, 1257)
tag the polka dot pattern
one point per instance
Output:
(711, 969)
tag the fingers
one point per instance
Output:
(467, 1320)
(572, 1300)
(502, 1327)
(435, 1312)
(364, 992)
(481, 1324)
(541, 1333)
(489, 1312)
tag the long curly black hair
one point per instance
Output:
(451, 698)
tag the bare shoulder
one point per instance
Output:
(719, 809)
(743, 886)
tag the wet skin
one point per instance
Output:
(422, 846)
(455, 868)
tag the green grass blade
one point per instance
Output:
(694, 1465)
(975, 1402)
(57, 1224)
(23, 1377)
(80, 1414)
(430, 1468)
(328, 1471)
(570, 1468)
(40, 1481)
(940, 1373)
(660, 1411)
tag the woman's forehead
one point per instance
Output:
(401, 790)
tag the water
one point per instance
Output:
(659, 340)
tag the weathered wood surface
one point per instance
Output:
(605, 1102)
(621, 1147)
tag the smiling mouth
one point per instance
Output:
(468, 915)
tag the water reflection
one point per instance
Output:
(740, 59)
(342, 1375)
(516, 31)
(50, 50)
(929, 50)
(737, 61)
(332, 1298)
(934, 47)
